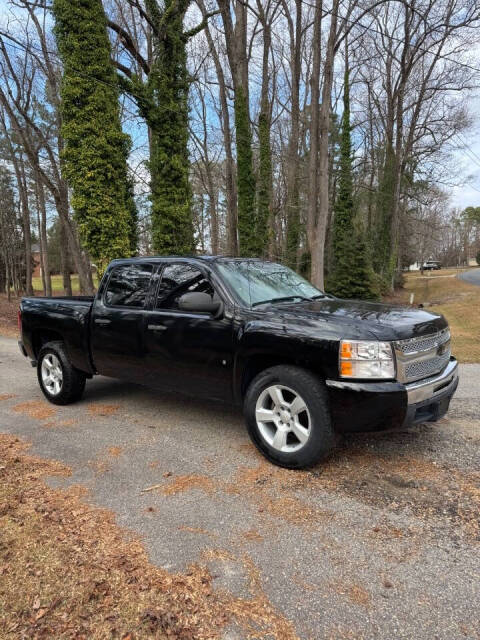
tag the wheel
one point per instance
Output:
(59, 381)
(287, 416)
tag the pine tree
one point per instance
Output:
(351, 275)
(96, 148)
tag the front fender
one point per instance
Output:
(272, 342)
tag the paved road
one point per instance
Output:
(472, 276)
(381, 542)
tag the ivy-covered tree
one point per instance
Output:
(162, 99)
(96, 149)
(383, 256)
(351, 275)
(247, 223)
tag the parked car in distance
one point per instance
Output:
(431, 265)
(304, 365)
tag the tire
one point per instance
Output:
(67, 383)
(287, 437)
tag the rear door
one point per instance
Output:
(118, 322)
(186, 351)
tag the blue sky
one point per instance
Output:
(466, 160)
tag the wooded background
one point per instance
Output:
(319, 134)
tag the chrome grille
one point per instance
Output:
(424, 368)
(425, 343)
(422, 357)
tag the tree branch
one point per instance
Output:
(129, 45)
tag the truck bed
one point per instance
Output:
(65, 318)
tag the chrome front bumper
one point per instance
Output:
(434, 387)
(390, 405)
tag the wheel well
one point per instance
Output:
(257, 364)
(42, 337)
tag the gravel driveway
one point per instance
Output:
(380, 542)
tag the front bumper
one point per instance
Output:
(382, 406)
(429, 400)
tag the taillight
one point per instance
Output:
(19, 320)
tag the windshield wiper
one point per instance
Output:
(284, 299)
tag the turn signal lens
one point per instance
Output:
(362, 359)
(346, 350)
(346, 369)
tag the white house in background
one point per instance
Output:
(414, 267)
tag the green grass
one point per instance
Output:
(57, 284)
(459, 301)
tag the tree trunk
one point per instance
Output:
(292, 199)
(82, 266)
(264, 222)
(19, 168)
(236, 45)
(42, 232)
(64, 261)
(230, 184)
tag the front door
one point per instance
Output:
(118, 322)
(188, 352)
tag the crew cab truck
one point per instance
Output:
(304, 365)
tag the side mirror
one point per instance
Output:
(200, 302)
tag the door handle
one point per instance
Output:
(102, 321)
(157, 327)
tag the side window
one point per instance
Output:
(178, 279)
(128, 285)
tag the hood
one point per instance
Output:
(356, 319)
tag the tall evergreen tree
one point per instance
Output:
(96, 148)
(351, 276)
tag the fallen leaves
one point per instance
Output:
(36, 409)
(180, 484)
(6, 396)
(68, 571)
(115, 451)
(102, 409)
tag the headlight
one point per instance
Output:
(359, 359)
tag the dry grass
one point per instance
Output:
(457, 300)
(67, 571)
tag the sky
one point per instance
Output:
(467, 159)
(464, 187)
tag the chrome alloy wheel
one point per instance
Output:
(283, 418)
(52, 374)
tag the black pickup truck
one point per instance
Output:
(305, 366)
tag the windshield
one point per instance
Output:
(257, 282)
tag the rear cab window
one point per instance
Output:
(128, 286)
